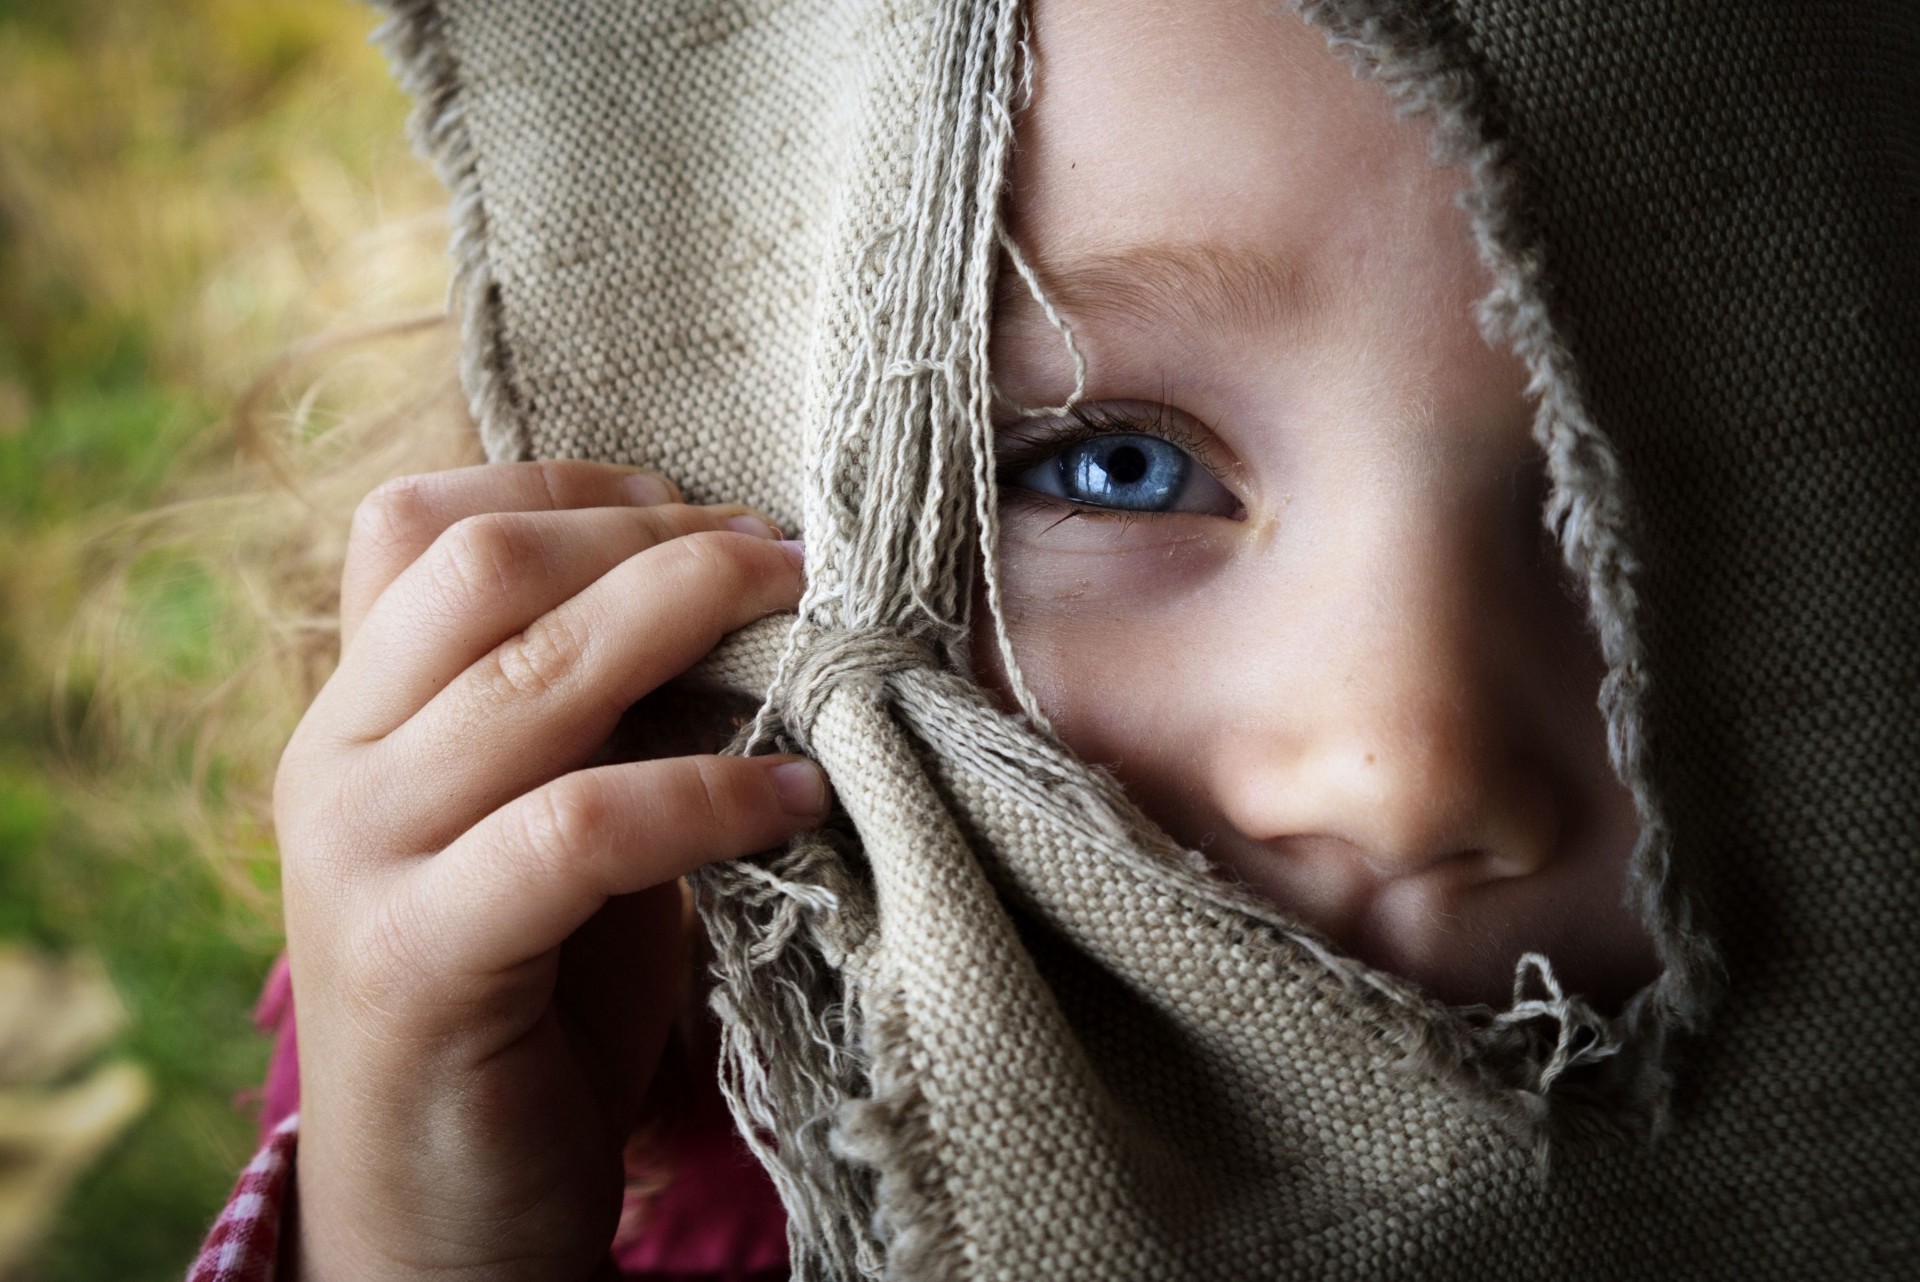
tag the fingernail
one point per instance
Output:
(801, 787)
(752, 525)
(796, 552)
(644, 489)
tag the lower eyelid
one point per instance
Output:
(1057, 511)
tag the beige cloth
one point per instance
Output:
(994, 1025)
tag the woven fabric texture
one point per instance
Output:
(1733, 198)
(994, 1025)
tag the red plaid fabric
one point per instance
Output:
(245, 1241)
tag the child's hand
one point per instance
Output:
(487, 940)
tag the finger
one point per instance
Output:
(484, 580)
(517, 884)
(543, 701)
(622, 977)
(400, 520)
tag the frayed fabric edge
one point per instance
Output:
(1428, 75)
(1590, 515)
(1515, 1063)
(894, 599)
(416, 38)
(794, 1042)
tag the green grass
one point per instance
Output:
(187, 964)
(186, 187)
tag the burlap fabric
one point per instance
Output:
(993, 1025)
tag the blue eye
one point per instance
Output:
(1129, 472)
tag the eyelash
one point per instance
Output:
(1035, 441)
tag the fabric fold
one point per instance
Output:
(990, 1022)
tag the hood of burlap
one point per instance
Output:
(991, 1023)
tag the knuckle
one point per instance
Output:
(396, 512)
(730, 563)
(538, 661)
(288, 793)
(324, 841)
(301, 810)
(388, 962)
(565, 821)
(297, 843)
(478, 558)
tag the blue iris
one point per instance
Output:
(1134, 473)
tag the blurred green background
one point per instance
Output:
(187, 189)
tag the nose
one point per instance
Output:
(1406, 749)
(1409, 787)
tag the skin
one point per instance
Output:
(1355, 680)
(1368, 695)
(483, 917)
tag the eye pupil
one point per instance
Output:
(1124, 472)
(1137, 473)
(1126, 464)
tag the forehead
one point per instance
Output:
(1226, 126)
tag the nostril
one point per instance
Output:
(1425, 800)
(1464, 864)
(1430, 812)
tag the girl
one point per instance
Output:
(1269, 549)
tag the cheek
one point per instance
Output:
(1111, 628)
(1062, 572)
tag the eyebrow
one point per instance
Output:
(1153, 286)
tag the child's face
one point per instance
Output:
(1327, 643)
